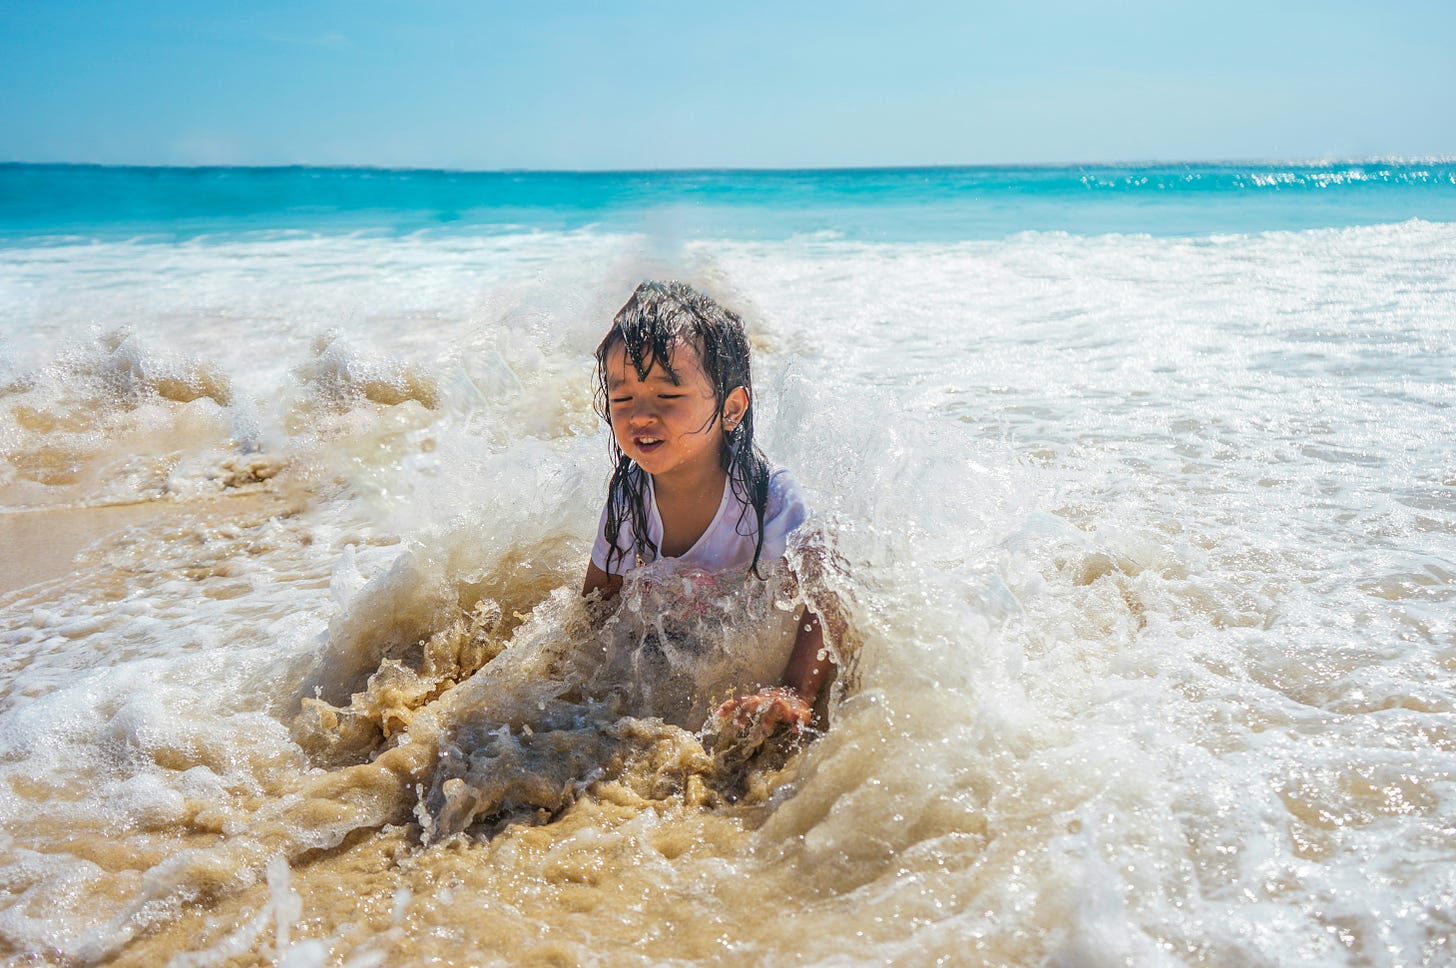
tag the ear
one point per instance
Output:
(734, 407)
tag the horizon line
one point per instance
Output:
(748, 169)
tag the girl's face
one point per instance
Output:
(670, 429)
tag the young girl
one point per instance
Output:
(673, 382)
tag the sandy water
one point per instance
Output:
(1147, 547)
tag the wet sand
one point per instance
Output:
(38, 545)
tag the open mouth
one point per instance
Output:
(647, 444)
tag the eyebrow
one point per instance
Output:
(654, 375)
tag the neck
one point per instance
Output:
(690, 482)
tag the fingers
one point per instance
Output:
(786, 711)
(768, 710)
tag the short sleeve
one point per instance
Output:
(787, 508)
(601, 547)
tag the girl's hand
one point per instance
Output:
(767, 709)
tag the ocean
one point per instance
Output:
(1135, 485)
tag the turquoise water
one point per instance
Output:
(912, 204)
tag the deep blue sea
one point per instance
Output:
(901, 204)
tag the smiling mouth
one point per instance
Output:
(647, 443)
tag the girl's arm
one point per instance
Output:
(596, 579)
(792, 703)
(807, 665)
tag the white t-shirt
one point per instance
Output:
(728, 541)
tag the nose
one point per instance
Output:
(641, 413)
(634, 414)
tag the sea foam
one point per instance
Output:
(1142, 546)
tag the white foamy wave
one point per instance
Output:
(1142, 546)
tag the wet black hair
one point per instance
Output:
(658, 317)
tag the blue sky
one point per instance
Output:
(451, 84)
